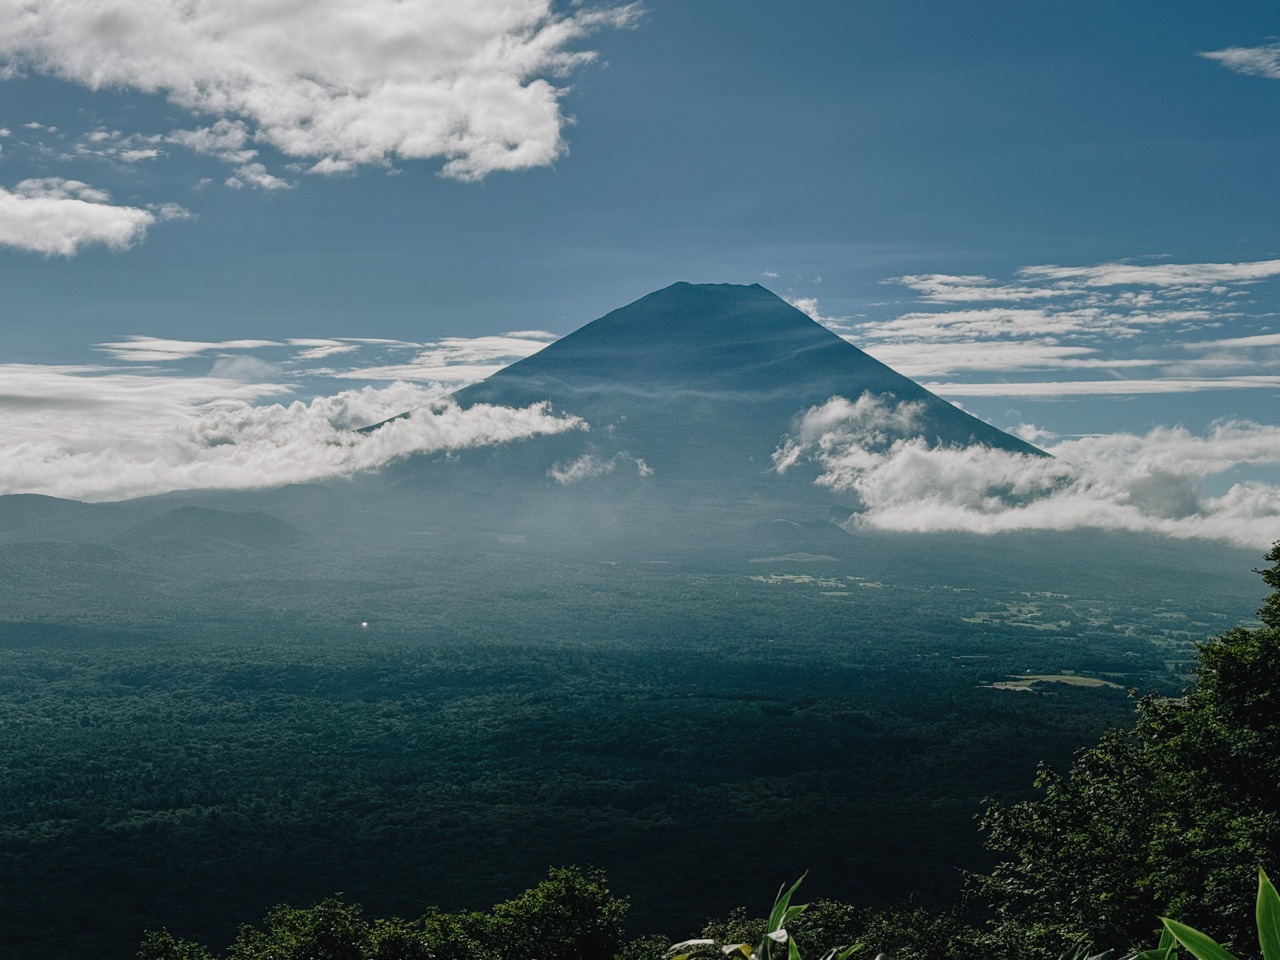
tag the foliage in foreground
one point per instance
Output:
(569, 916)
(1173, 817)
(775, 939)
(1203, 947)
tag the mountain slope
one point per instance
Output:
(705, 380)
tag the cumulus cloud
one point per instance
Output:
(476, 83)
(590, 466)
(227, 140)
(90, 434)
(57, 217)
(1152, 483)
(1261, 61)
(809, 306)
(256, 175)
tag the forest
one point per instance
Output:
(196, 734)
(1173, 815)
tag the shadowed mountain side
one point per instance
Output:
(704, 381)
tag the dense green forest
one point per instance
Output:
(197, 728)
(1173, 815)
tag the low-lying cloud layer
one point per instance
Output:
(1150, 483)
(87, 434)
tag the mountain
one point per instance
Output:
(706, 380)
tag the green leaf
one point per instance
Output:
(780, 905)
(1202, 947)
(793, 952)
(1268, 918)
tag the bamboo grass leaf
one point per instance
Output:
(1201, 946)
(1268, 918)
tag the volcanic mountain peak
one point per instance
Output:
(687, 336)
(713, 366)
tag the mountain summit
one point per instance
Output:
(700, 378)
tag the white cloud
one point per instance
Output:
(56, 216)
(868, 424)
(1237, 343)
(1186, 275)
(345, 82)
(119, 146)
(245, 369)
(948, 288)
(1131, 323)
(1096, 388)
(810, 308)
(1263, 61)
(319, 349)
(143, 349)
(226, 139)
(86, 434)
(1150, 483)
(917, 360)
(256, 175)
(989, 323)
(590, 466)
(530, 335)
(171, 211)
(458, 359)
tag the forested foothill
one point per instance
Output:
(208, 716)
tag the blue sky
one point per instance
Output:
(1062, 216)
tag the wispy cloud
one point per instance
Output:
(58, 217)
(1104, 388)
(90, 434)
(1185, 275)
(144, 349)
(127, 148)
(1137, 327)
(917, 360)
(457, 360)
(591, 466)
(1260, 61)
(1151, 483)
(476, 83)
(448, 363)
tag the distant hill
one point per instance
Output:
(202, 525)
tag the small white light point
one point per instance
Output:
(364, 624)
